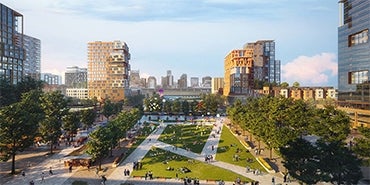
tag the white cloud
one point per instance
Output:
(315, 70)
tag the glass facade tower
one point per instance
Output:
(354, 53)
(12, 50)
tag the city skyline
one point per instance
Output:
(191, 37)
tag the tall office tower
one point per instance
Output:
(75, 77)
(152, 82)
(32, 62)
(207, 81)
(12, 53)
(135, 80)
(239, 76)
(183, 81)
(194, 82)
(217, 85)
(167, 81)
(51, 79)
(266, 68)
(108, 70)
(354, 53)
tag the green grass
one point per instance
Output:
(79, 183)
(228, 147)
(187, 136)
(157, 160)
(145, 131)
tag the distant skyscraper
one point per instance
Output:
(152, 82)
(167, 81)
(194, 82)
(354, 53)
(75, 77)
(108, 70)
(183, 81)
(135, 80)
(12, 52)
(207, 81)
(217, 85)
(51, 79)
(32, 62)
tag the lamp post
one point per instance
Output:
(163, 102)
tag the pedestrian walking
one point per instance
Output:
(273, 180)
(51, 171)
(103, 179)
(23, 173)
(32, 183)
(70, 168)
(42, 177)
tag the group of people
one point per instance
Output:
(126, 172)
(187, 181)
(149, 175)
(137, 165)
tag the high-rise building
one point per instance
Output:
(108, 70)
(249, 68)
(12, 52)
(217, 85)
(32, 62)
(207, 81)
(75, 77)
(167, 81)
(354, 53)
(183, 81)
(266, 68)
(135, 80)
(152, 82)
(194, 82)
(51, 79)
(239, 76)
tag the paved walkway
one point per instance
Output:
(117, 178)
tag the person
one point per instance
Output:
(103, 179)
(50, 171)
(273, 180)
(70, 168)
(32, 183)
(42, 177)
(23, 173)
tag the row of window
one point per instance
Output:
(358, 38)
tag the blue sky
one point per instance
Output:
(188, 36)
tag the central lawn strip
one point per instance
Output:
(230, 148)
(187, 136)
(164, 164)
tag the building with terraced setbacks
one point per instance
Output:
(108, 70)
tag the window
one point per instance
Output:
(358, 38)
(358, 77)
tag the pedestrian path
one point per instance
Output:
(151, 140)
(34, 172)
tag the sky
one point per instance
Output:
(188, 36)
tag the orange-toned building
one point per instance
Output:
(238, 66)
(108, 70)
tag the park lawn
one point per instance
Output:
(228, 147)
(158, 160)
(186, 136)
(145, 131)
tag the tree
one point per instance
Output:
(71, 122)
(18, 126)
(362, 144)
(55, 108)
(284, 85)
(88, 117)
(337, 164)
(300, 159)
(331, 124)
(7, 96)
(108, 109)
(99, 144)
(296, 84)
